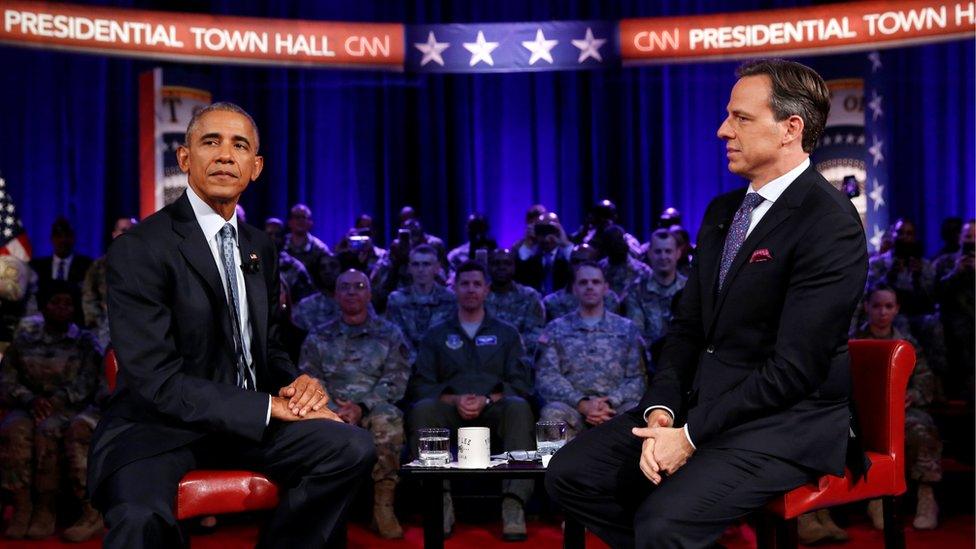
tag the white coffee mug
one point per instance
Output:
(474, 450)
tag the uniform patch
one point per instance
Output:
(454, 342)
(485, 340)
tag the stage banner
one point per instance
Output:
(166, 105)
(512, 47)
(194, 37)
(827, 28)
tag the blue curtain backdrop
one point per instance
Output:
(346, 142)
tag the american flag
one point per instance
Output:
(876, 133)
(13, 237)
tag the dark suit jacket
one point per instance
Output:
(763, 364)
(171, 329)
(76, 273)
(530, 272)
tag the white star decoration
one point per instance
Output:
(875, 59)
(540, 47)
(432, 50)
(876, 239)
(589, 46)
(481, 50)
(877, 195)
(875, 105)
(875, 150)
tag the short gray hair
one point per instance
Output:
(220, 106)
(796, 90)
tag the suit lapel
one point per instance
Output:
(196, 251)
(257, 293)
(709, 258)
(778, 213)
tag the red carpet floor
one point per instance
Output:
(955, 532)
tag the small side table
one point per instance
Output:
(432, 482)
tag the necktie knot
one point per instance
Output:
(750, 201)
(227, 231)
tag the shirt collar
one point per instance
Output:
(209, 220)
(771, 191)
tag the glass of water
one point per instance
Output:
(434, 448)
(550, 436)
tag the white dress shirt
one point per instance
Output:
(771, 192)
(56, 264)
(211, 223)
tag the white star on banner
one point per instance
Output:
(481, 50)
(540, 47)
(875, 105)
(3, 195)
(589, 46)
(876, 239)
(8, 232)
(877, 195)
(875, 59)
(875, 150)
(432, 50)
(10, 208)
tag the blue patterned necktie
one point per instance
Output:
(62, 275)
(737, 234)
(227, 251)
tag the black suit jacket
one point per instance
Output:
(530, 272)
(763, 364)
(171, 329)
(76, 272)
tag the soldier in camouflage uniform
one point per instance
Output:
(511, 302)
(562, 302)
(591, 362)
(320, 308)
(623, 271)
(49, 375)
(425, 302)
(362, 361)
(923, 446)
(94, 290)
(649, 303)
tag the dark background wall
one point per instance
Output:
(346, 142)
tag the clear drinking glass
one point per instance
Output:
(434, 448)
(550, 436)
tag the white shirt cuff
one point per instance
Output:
(647, 411)
(267, 418)
(688, 436)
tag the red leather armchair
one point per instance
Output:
(206, 492)
(880, 370)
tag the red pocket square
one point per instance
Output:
(760, 255)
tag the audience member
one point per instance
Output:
(94, 290)
(476, 229)
(511, 302)
(564, 301)
(64, 264)
(648, 305)
(923, 446)
(361, 360)
(602, 216)
(591, 362)
(471, 370)
(668, 218)
(686, 252)
(532, 215)
(300, 243)
(955, 285)
(425, 302)
(320, 308)
(623, 271)
(949, 233)
(544, 266)
(294, 276)
(49, 375)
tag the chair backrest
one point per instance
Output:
(111, 368)
(880, 370)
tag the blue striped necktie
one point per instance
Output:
(227, 251)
